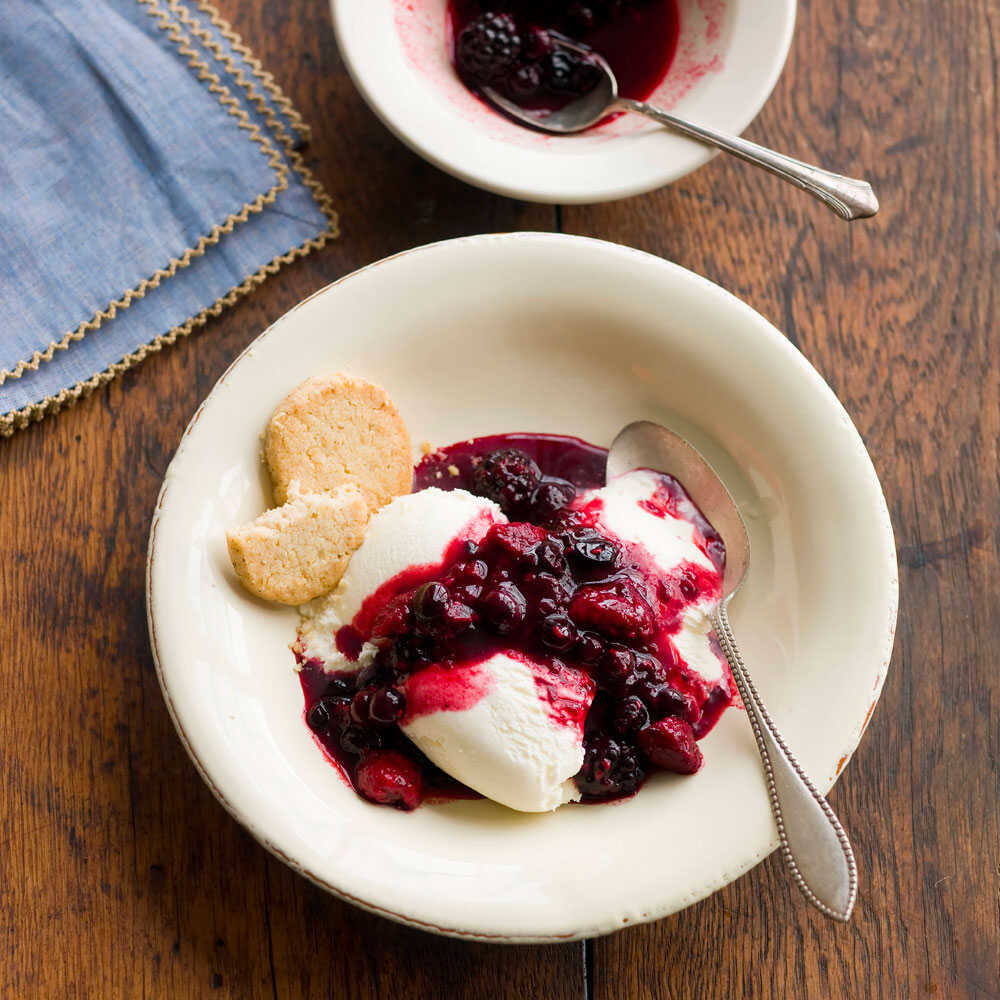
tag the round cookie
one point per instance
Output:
(339, 429)
(299, 550)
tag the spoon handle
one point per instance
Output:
(814, 844)
(849, 198)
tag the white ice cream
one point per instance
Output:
(412, 530)
(506, 746)
(669, 542)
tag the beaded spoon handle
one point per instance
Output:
(815, 847)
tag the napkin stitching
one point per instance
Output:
(18, 419)
(278, 96)
(256, 97)
(216, 233)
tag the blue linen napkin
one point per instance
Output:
(148, 177)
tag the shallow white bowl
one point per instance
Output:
(730, 54)
(547, 333)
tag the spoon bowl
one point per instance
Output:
(642, 441)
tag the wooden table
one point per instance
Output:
(120, 876)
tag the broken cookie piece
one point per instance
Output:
(334, 430)
(300, 550)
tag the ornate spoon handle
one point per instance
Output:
(849, 198)
(814, 844)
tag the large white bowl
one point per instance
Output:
(730, 55)
(548, 333)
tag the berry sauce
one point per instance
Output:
(594, 618)
(507, 44)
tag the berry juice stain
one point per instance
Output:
(507, 45)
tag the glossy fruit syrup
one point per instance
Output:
(548, 586)
(513, 46)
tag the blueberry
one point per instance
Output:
(547, 606)
(430, 602)
(559, 68)
(585, 77)
(474, 569)
(386, 706)
(550, 497)
(558, 632)
(592, 549)
(524, 83)
(326, 714)
(360, 705)
(589, 649)
(665, 700)
(371, 674)
(341, 685)
(357, 739)
(504, 607)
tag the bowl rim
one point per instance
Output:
(567, 189)
(608, 924)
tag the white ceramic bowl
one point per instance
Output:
(730, 54)
(549, 333)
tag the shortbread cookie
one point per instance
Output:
(300, 550)
(337, 429)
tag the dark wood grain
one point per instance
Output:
(121, 876)
(901, 316)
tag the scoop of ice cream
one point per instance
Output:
(509, 727)
(405, 543)
(659, 523)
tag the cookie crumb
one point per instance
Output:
(426, 448)
(453, 470)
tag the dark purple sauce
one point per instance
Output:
(557, 455)
(578, 606)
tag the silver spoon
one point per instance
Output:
(814, 844)
(849, 198)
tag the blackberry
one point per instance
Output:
(488, 48)
(610, 768)
(557, 632)
(559, 67)
(509, 477)
(631, 715)
(386, 705)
